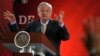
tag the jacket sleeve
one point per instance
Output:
(63, 33)
(13, 27)
(28, 27)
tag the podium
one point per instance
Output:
(36, 39)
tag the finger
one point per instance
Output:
(86, 26)
(92, 26)
(60, 12)
(97, 25)
(7, 18)
(5, 13)
(9, 12)
(85, 23)
(97, 28)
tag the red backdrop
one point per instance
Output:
(75, 11)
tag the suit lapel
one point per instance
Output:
(38, 28)
(48, 26)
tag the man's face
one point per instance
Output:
(45, 12)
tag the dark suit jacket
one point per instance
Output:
(54, 31)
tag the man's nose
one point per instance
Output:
(44, 12)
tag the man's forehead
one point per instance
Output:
(45, 7)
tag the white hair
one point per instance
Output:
(42, 4)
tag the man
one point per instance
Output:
(53, 29)
(92, 35)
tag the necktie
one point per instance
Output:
(44, 28)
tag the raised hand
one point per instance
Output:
(9, 16)
(59, 18)
(92, 30)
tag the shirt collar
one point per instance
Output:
(46, 21)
